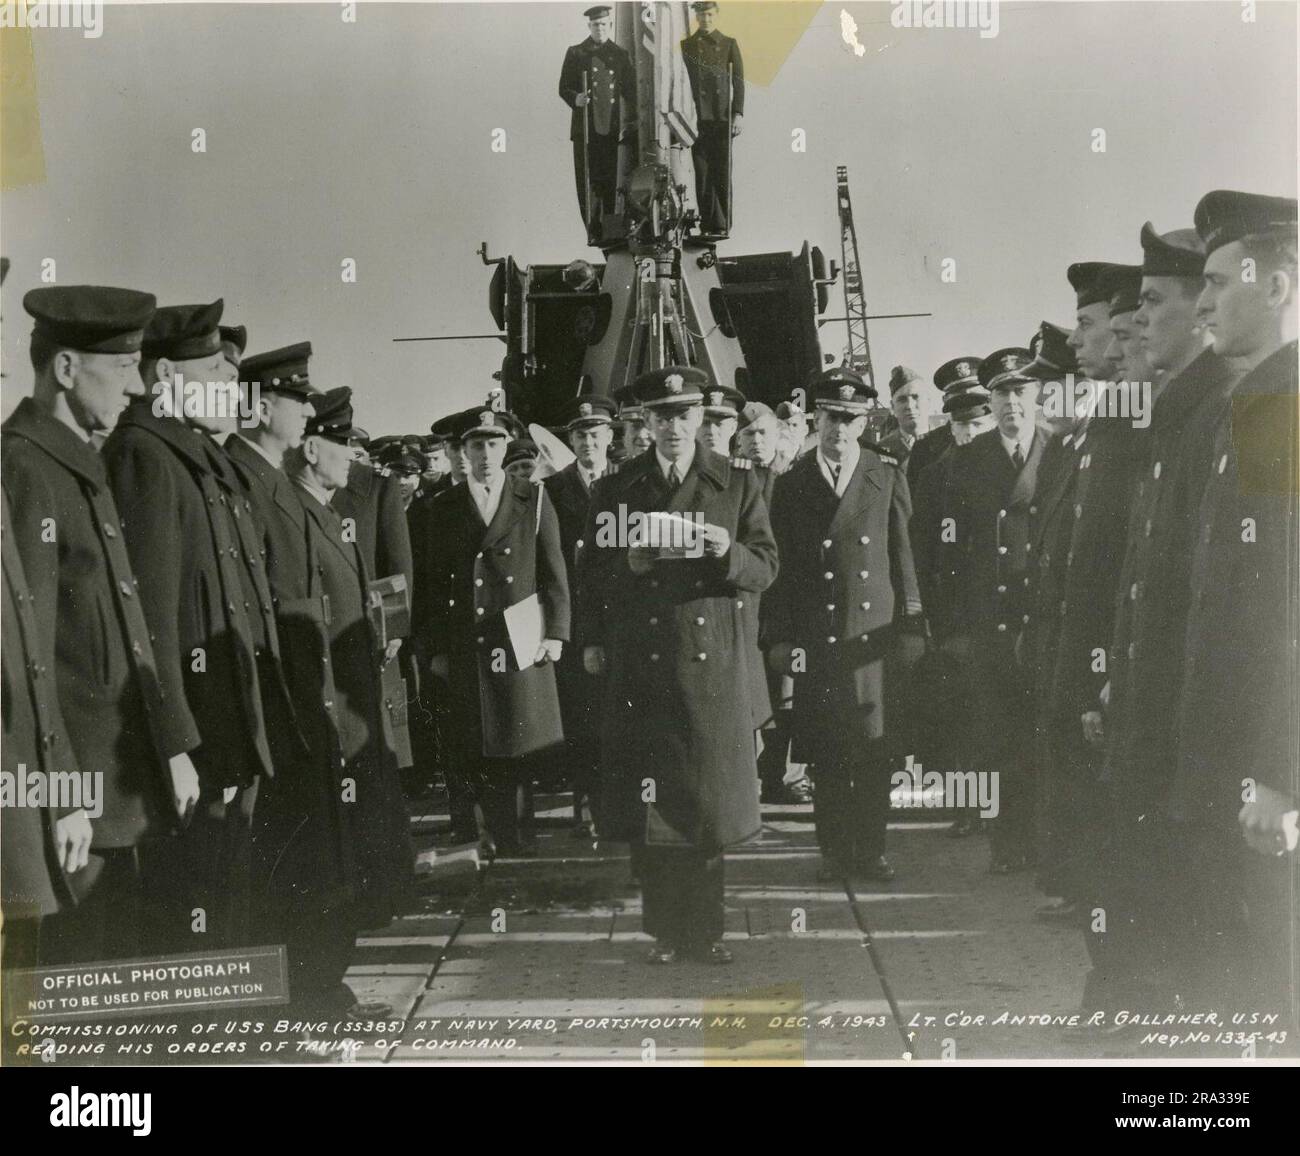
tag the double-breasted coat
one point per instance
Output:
(375, 821)
(68, 532)
(847, 581)
(36, 739)
(1237, 717)
(677, 742)
(1080, 531)
(373, 499)
(475, 573)
(178, 513)
(300, 843)
(1152, 599)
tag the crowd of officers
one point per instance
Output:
(1049, 589)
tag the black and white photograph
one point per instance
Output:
(741, 533)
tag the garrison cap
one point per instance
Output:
(281, 370)
(840, 390)
(900, 376)
(1224, 216)
(671, 387)
(486, 422)
(597, 12)
(755, 411)
(331, 416)
(1005, 368)
(790, 411)
(91, 318)
(520, 450)
(234, 340)
(1053, 356)
(1176, 254)
(184, 332)
(1122, 285)
(1084, 277)
(587, 412)
(723, 401)
(967, 404)
(958, 373)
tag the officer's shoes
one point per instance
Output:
(661, 954)
(713, 953)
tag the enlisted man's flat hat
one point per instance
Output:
(184, 332)
(840, 390)
(1084, 278)
(1122, 285)
(1006, 368)
(234, 340)
(703, 6)
(332, 416)
(91, 318)
(1177, 254)
(589, 412)
(520, 450)
(723, 401)
(1224, 216)
(598, 12)
(672, 387)
(790, 411)
(1053, 355)
(958, 373)
(281, 370)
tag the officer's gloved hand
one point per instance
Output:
(1268, 822)
(716, 539)
(441, 666)
(185, 785)
(1093, 731)
(548, 651)
(72, 836)
(593, 659)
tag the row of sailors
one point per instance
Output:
(1118, 726)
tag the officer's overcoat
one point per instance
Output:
(847, 577)
(475, 573)
(68, 532)
(677, 739)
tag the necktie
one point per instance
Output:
(1018, 456)
(835, 476)
(673, 480)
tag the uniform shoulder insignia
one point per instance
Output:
(741, 463)
(886, 456)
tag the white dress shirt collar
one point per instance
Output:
(487, 497)
(840, 483)
(683, 464)
(1025, 441)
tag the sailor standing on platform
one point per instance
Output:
(718, 81)
(598, 82)
(677, 745)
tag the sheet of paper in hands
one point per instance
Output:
(672, 535)
(524, 626)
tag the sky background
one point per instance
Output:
(372, 140)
